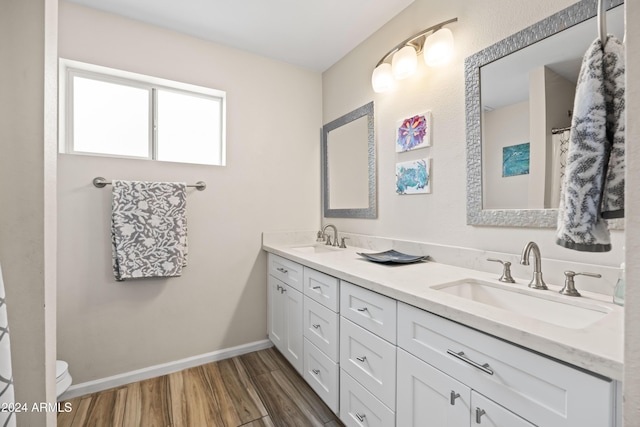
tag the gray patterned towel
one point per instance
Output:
(148, 229)
(593, 188)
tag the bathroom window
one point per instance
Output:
(109, 112)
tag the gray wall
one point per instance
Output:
(28, 43)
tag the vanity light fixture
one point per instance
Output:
(437, 48)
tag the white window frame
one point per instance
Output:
(70, 69)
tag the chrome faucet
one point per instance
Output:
(536, 281)
(335, 234)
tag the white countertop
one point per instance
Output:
(597, 348)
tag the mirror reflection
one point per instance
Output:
(519, 91)
(526, 102)
(348, 169)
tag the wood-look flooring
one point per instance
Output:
(258, 389)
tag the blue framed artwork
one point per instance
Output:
(413, 177)
(515, 160)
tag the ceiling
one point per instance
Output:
(312, 34)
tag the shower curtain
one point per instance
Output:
(7, 418)
(560, 143)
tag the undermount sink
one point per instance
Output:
(546, 306)
(316, 249)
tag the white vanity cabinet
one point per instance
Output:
(367, 357)
(507, 382)
(321, 336)
(285, 308)
(379, 362)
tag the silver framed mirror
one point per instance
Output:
(349, 165)
(548, 42)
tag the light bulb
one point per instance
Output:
(382, 79)
(404, 63)
(438, 48)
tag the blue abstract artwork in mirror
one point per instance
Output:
(515, 160)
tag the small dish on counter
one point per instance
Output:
(392, 256)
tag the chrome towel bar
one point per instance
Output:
(101, 182)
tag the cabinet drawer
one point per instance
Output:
(372, 311)
(322, 375)
(360, 408)
(539, 389)
(321, 327)
(370, 360)
(322, 288)
(288, 271)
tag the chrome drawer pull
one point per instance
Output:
(453, 397)
(362, 309)
(316, 371)
(479, 414)
(361, 359)
(283, 290)
(316, 287)
(316, 326)
(278, 287)
(484, 368)
(360, 417)
(282, 270)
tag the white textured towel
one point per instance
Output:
(148, 229)
(7, 418)
(594, 179)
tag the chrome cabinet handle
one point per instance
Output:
(479, 414)
(453, 397)
(461, 356)
(316, 287)
(278, 287)
(283, 290)
(317, 325)
(362, 309)
(282, 270)
(361, 359)
(315, 371)
(360, 417)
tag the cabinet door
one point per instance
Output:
(293, 309)
(428, 397)
(487, 413)
(276, 313)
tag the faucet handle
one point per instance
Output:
(342, 243)
(328, 243)
(569, 283)
(506, 271)
(320, 236)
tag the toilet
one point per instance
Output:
(63, 378)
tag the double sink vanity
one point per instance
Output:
(431, 343)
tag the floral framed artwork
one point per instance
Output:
(413, 177)
(515, 160)
(413, 132)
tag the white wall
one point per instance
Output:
(439, 217)
(271, 182)
(27, 189)
(503, 127)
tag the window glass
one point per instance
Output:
(188, 128)
(110, 118)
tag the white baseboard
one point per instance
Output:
(159, 370)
